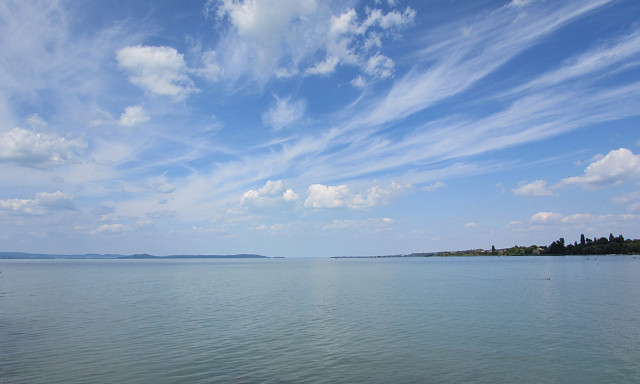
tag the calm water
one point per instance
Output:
(423, 320)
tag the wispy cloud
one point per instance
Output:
(284, 113)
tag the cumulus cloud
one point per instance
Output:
(284, 113)
(616, 167)
(290, 195)
(30, 149)
(359, 82)
(337, 196)
(133, 115)
(289, 37)
(271, 194)
(42, 203)
(544, 217)
(263, 34)
(351, 41)
(535, 188)
(379, 66)
(159, 70)
(327, 196)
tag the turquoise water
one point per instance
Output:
(417, 320)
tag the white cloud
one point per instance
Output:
(470, 225)
(454, 62)
(379, 66)
(327, 196)
(369, 225)
(257, 18)
(266, 37)
(30, 149)
(211, 67)
(284, 113)
(359, 82)
(393, 19)
(159, 70)
(583, 221)
(44, 202)
(615, 168)
(337, 196)
(271, 194)
(518, 3)
(133, 115)
(109, 228)
(350, 41)
(610, 57)
(433, 187)
(36, 122)
(161, 185)
(325, 67)
(632, 200)
(286, 37)
(290, 195)
(544, 217)
(576, 218)
(535, 188)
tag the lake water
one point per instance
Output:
(413, 320)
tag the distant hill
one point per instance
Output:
(94, 256)
(238, 256)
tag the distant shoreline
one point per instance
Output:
(96, 256)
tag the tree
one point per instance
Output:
(493, 249)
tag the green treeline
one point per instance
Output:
(596, 246)
(586, 246)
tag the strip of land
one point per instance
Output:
(96, 256)
(585, 246)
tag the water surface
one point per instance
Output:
(427, 320)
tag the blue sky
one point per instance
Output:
(315, 128)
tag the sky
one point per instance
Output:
(316, 128)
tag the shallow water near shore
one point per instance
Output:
(427, 320)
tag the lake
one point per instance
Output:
(313, 320)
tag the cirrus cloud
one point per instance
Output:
(284, 113)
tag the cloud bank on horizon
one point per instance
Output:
(295, 128)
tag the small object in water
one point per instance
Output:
(548, 278)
